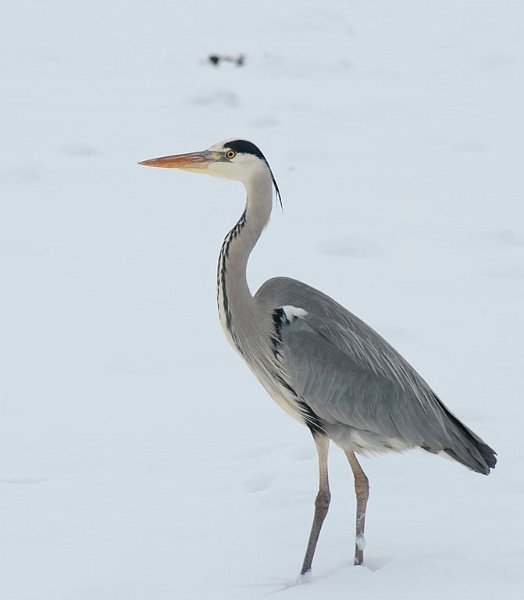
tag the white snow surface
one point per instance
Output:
(140, 459)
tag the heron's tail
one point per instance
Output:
(467, 447)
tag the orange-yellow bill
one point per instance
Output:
(192, 160)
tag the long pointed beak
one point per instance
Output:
(190, 161)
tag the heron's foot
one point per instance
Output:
(360, 544)
(306, 567)
(304, 577)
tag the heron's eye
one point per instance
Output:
(230, 154)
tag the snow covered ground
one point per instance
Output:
(140, 460)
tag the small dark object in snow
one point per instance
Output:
(216, 59)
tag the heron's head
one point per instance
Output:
(233, 159)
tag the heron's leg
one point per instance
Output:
(321, 501)
(362, 493)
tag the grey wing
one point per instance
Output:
(348, 375)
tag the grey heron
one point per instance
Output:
(319, 362)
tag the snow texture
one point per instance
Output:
(140, 460)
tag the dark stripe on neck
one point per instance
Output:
(222, 271)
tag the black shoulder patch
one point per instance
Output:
(245, 147)
(311, 419)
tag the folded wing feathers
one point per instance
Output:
(347, 372)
